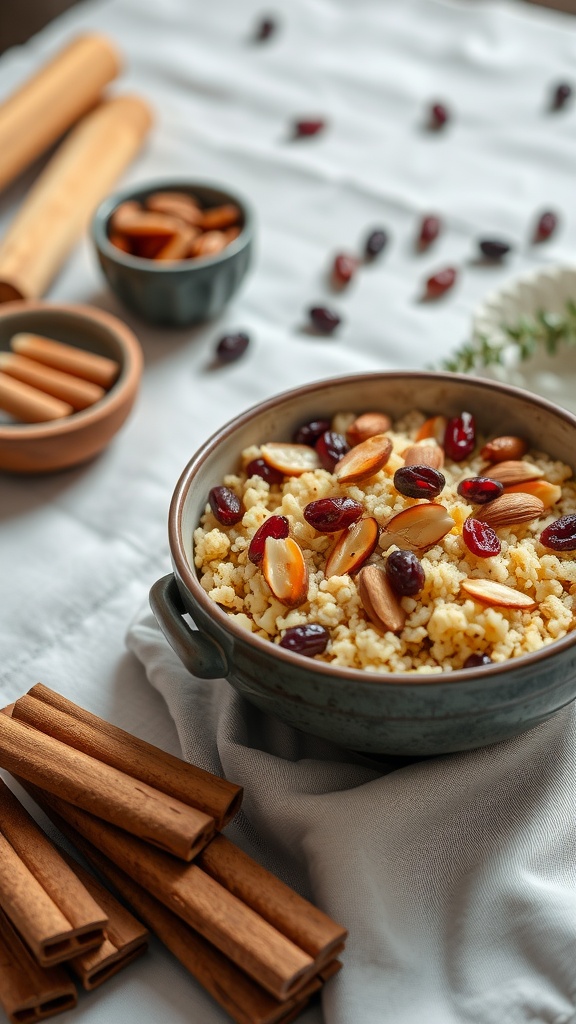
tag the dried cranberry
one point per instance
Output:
(546, 226)
(310, 639)
(258, 467)
(480, 489)
(419, 481)
(375, 243)
(324, 320)
(343, 269)
(405, 573)
(440, 282)
(265, 29)
(232, 346)
(561, 95)
(330, 515)
(429, 231)
(225, 505)
(309, 126)
(460, 437)
(275, 526)
(438, 115)
(480, 538)
(476, 660)
(331, 447)
(561, 534)
(493, 248)
(309, 433)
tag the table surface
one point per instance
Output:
(79, 550)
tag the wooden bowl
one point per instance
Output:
(57, 444)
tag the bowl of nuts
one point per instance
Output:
(174, 252)
(384, 560)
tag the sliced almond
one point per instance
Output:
(291, 459)
(513, 472)
(285, 571)
(498, 594)
(424, 454)
(510, 509)
(502, 449)
(380, 603)
(434, 427)
(418, 527)
(548, 493)
(367, 425)
(353, 547)
(364, 460)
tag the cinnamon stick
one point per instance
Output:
(54, 714)
(90, 367)
(28, 992)
(105, 791)
(68, 388)
(29, 405)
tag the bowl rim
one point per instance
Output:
(128, 378)
(99, 234)
(341, 674)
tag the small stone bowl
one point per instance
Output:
(58, 444)
(180, 292)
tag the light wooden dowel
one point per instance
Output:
(97, 370)
(65, 195)
(105, 791)
(54, 714)
(46, 105)
(78, 393)
(29, 405)
(28, 992)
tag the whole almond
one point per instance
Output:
(208, 244)
(492, 593)
(424, 454)
(417, 528)
(221, 217)
(380, 602)
(510, 509)
(514, 472)
(501, 449)
(366, 425)
(364, 460)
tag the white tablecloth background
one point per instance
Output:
(79, 550)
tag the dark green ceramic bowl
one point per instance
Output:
(180, 292)
(379, 713)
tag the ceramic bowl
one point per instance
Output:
(378, 713)
(184, 291)
(57, 444)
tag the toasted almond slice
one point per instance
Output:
(367, 425)
(285, 571)
(505, 448)
(364, 460)
(353, 547)
(510, 510)
(380, 603)
(513, 472)
(498, 594)
(426, 453)
(418, 527)
(434, 427)
(291, 459)
(548, 493)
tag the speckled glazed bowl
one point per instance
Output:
(384, 713)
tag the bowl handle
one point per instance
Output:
(201, 655)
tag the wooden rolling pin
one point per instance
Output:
(42, 109)
(64, 197)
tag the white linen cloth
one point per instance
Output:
(79, 550)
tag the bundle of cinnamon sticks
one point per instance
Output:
(149, 823)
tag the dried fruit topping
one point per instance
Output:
(367, 425)
(514, 472)
(225, 505)
(257, 467)
(265, 29)
(417, 528)
(427, 453)
(460, 437)
(364, 460)
(343, 269)
(493, 248)
(274, 526)
(309, 126)
(353, 547)
(548, 493)
(439, 115)
(511, 509)
(375, 243)
(285, 571)
(309, 639)
(309, 432)
(476, 660)
(561, 95)
(419, 481)
(501, 449)
(441, 282)
(480, 489)
(561, 534)
(324, 320)
(480, 538)
(429, 231)
(290, 459)
(546, 226)
(434, 427)
(405, 573)
(379, 600)
(330, 515)
(232, 346)
(330, 448)
(489, 592)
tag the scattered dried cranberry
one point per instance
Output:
(232, 346)
(480, 489)
(460, 437)
(480, 538)
(343, 269)
(308, 126)
(324, 320)
(429, 231)
(439, 115)
(493, 248)
(561, 534)
(225, 505)
(419, 481)
(440, 283)
(405, 573)
(265, 29)
(331, 447)
(546, 226)
(375, 243)
(309, 433)
(275, 526)
(330, 515)
(561, 95)
(309, 639)
(476, 660)
(258, 467)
